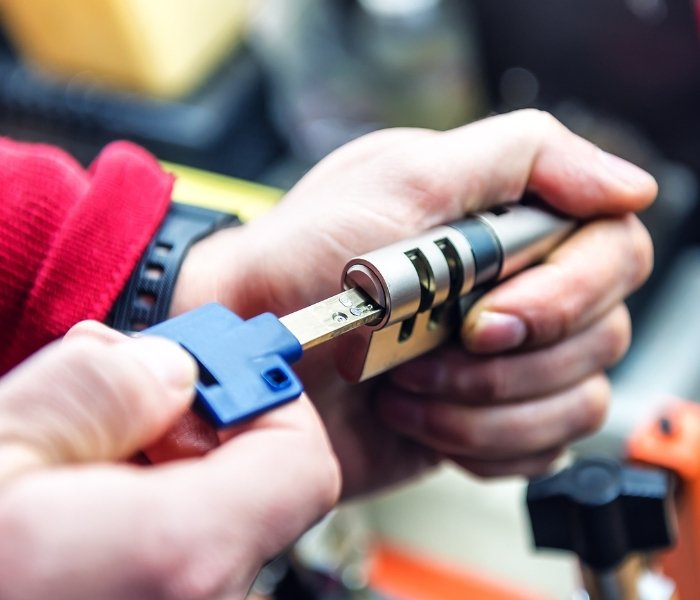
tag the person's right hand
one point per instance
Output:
(77, 521)
(532, 379)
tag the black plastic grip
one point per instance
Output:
(486, 249)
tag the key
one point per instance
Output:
(332, 317)
(244, 366)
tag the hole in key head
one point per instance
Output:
(276, 378)
(205, 376)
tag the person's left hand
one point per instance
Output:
(80, 519)
(533, 380)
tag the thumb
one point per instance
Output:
(88, 399)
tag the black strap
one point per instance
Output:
(146, 298)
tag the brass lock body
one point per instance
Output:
(423, 283)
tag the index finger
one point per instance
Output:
(497, 159)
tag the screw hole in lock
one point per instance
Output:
(276, 378)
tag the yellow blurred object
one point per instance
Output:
(157, 47)
(245, 199)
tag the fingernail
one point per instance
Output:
(495, 332)
(405, 415)
(168, 361)
(625, 171)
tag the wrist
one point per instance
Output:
(263, 266)
(148, 295)
(228, 267)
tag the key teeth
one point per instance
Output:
(331, 317)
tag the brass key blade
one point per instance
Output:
(332, 317)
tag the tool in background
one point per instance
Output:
(610, 515)
(405, 298)
(671, 441)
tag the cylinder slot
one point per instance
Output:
(426, 278)
(454, 266)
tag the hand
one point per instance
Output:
(78, 521)
(533, 380)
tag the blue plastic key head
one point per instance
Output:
(243, 365)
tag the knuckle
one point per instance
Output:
(540, 119)
(520, 430)
(565, 317)
(483, 385)
(472, 438)
(78, 350)
(538, 465)
(558, 318)
(478, 469)
(617, 336)
(384, 139)
(469, 435)
(541, 464)
(575, 299)
(594, 403)
(95, 330)
(642, 254)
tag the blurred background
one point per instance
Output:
(261, 90)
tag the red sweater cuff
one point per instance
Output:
(70, 238)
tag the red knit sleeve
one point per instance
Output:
(69, 238)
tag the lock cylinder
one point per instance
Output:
(414, 275)
(422, 273)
